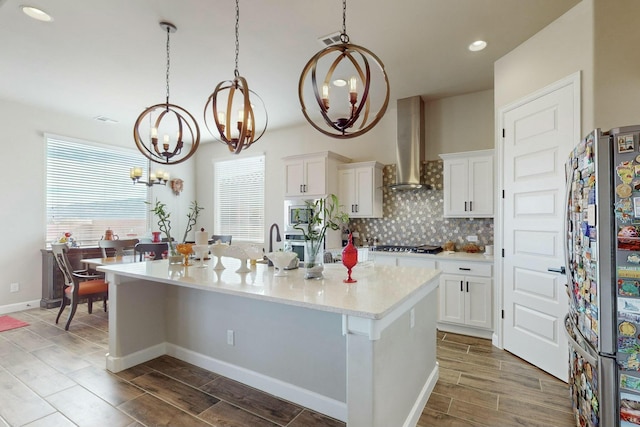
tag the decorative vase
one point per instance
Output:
(313, 260)
(349, 258)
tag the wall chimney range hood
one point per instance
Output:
(410, 144)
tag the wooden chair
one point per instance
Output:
(224, 238)
(155, 248)
(77, 286)
(119, 245)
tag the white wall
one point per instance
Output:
(560, 49)
(22, 215)
(617, 63)
(459, 123)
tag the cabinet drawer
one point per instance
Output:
(466, 268)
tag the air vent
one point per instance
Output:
(330, 39)
(105, 119)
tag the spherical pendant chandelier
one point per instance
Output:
(176, 125)
(349, 96)
(234, 97)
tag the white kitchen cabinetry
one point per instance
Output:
(360, 189)
(468, 184)
(466, 295)
(312, 175)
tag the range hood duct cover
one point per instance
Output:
(410, 144)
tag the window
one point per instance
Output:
(88, 190)
(239, 198)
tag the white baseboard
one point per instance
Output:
(284, 390)
(423, 397)
(463, 330)
(20, 306)
(117, 364)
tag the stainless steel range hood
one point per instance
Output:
(410, 144)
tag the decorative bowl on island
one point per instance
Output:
(218, 249)
(185, 250)
(281, 260)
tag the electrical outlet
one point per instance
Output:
(230, 337)
(412, 315)
(472, 238)
(15, 287)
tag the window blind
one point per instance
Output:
(88, 190)
(239, 198)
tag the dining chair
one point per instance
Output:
(156, 248)
(119, 245)
(223, 238)
(77, 286)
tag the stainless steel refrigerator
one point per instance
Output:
(603, 272)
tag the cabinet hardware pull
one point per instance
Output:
(357, 207)
(464, 268)
(470, 206)
(302, 191)
(467, 286)
(465, 206)
(461, 288)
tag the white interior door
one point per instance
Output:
(538, 136)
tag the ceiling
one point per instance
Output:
(108, 58)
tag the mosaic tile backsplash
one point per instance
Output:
(416, 217)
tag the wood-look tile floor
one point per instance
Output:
(50, 377)
(483, 386)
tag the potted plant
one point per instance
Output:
(164, 224)
(324, 213)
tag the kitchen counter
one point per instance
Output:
(333, 347)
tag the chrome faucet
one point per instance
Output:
(278, 239)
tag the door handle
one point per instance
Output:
(560, 270)
(470, 206)
(461, 288)
(467, 286)
(465, 206)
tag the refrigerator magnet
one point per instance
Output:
(627, 329)
(629, 305)
(636, 207)
(629, 382)
(626, 144)
(628, 288)
(623, 191)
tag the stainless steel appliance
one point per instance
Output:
(603, 272)
(297, 211)
(422, 249)
(295, 243)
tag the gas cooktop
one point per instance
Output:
(423, 249)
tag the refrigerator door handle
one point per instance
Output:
(577, 347)
(560, 270)
(565, 223)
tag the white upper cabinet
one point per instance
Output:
(360, 189)
(312, 175)
(468, 184)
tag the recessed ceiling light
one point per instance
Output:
(35, 13)
(339, 82)
(477, 45)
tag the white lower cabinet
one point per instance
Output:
(466, 299)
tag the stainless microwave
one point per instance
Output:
(298, 211)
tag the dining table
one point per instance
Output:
(121, 259)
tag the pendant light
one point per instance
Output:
(176, 125)
(231, 98)
(344, 110)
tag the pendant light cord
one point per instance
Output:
(168, 65)
(344, 38)
(236, 72)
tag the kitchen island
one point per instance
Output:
(364, 353)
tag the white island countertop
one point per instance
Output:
(378, 291)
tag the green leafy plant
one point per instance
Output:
(325, 213)
(164, 221)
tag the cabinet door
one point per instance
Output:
(481, 186)
(294, 178)
(348, 198)
(364, 192)
(478, 306)
(315, 176)
(456, 182)
(452, 298)
(384, 259)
